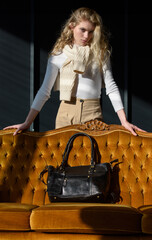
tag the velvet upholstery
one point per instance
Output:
(146, 222)
(86, 218)
(68, 236)
(15, 216)
(25, 209)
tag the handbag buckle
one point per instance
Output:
(92, 169)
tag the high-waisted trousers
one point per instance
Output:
(78, 111)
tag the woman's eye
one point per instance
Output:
(82, 29)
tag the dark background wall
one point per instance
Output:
(28, 30)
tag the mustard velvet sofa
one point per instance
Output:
(25, 210)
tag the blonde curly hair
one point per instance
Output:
(99, 45)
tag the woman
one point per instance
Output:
(77, 66)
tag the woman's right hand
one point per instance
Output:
(18, 127)
(25, 125)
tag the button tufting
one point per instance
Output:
(123, 156)
(33, 190)
(35, 146)
(142, 191)
(34, 167)
(11, 168)
(22, 168)
(23, 145)
(27, 180)
(4, 180)
(20, 192)
(21, 162)
(16, 180)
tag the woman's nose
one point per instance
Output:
(86, 34)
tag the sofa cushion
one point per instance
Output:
(15, 216)
(86, 218)
(146, 222)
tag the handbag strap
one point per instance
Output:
(42, 173)
(68, 148)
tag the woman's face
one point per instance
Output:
(83, 33)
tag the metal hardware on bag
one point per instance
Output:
(54, 197)
(61, 169)
(114, 161)
(98, 196)
(65, 182)
(92, 170)
(92, 166)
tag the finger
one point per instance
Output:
(17, 131)
(139, 129)
(133, 132)
(9, 127)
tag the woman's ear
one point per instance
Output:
(71, 25)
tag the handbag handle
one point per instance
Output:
(68, 146)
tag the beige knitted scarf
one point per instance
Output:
(76, 62)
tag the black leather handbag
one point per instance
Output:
(89, 183)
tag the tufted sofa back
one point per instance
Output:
(24, 156)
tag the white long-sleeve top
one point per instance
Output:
(89, 84)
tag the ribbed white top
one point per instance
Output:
(88, 84)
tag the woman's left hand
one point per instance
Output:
(129, 126)
(132, 128)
